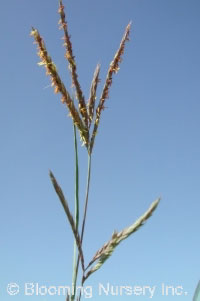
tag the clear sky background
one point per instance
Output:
(148, 145)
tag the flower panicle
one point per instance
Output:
(72, 65)
(114, 67)
(58, 85)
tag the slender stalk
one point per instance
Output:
(84, 219)
(77, 181)
(76, 207)
(86, 197)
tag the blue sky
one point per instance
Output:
(147, 146)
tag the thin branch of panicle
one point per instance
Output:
(72, 64)
(93, 90)
(114, 67)
(59, 86)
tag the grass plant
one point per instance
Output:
(86, 119)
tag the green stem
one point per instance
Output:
(85, 212)
(77, 181)
(74, 276)
(86, 198)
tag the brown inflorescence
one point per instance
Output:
(59, 86)
(114, 67)
(93, 90)
(72, 64)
